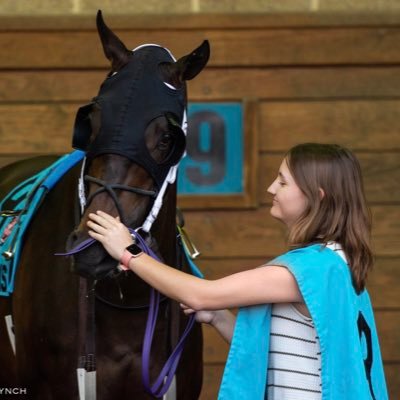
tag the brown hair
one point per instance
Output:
(340, 212)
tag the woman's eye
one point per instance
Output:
(281, 183)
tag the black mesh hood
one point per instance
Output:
(129, 101)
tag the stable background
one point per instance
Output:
(323, 71)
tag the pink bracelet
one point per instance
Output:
(124, 262)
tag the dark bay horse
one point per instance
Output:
(132, 136)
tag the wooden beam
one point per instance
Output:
(234, 48)
(215, 84)
(201, 21)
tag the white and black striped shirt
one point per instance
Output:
(294, 366)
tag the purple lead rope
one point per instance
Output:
(164, 379)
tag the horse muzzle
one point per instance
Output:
(91, 262)
(95, 271)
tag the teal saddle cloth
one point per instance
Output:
(17, 209)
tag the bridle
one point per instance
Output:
(110, 189)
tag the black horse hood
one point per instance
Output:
(129, 101)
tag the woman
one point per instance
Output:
(305, 329)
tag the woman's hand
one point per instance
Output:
(110, 232)
(203, 316)
(222, 320)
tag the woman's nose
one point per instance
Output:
(271, 188)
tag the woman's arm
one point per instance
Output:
(272, 284)
(222, 320)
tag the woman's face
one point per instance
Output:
(289, 202)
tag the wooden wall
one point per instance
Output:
(326, 78)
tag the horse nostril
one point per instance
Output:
(72, 239)
(77, 236)
(74, 236)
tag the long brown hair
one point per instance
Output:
(330, 177)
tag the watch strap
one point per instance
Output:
(131, 251)
(126, 257)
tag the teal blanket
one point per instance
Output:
(24, 200)
(350, 354)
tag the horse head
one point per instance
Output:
(133, 133)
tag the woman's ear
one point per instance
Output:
(321, 193)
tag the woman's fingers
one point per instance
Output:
(96, 227)
(109, 218)
(96, 236)
(103, 219)
(187, 310)
(110, 232)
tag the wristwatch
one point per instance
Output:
(132, 251)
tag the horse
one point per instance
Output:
(131, 135)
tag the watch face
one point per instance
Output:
(134, 249)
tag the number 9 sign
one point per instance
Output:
(214, 160)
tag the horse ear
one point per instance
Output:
(113, 47)
(187, 67)
(191, 65)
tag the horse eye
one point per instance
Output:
(165, 139)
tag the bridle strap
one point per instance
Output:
(110, 189)
(86, 339)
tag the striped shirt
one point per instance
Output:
(294, 366)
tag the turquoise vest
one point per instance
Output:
(351, 364)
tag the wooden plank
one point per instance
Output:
(392, 379)
(36, 128)
(218, 233)
(252, 47)
(215, 84)
(386, 230)
(213, 374)
(227, 83)
(387, 323)
(381, 173)
(50, 86)
(359, 125)
(211, 381)
(215, 348)
(215, 268)
(200, 20)
(383, 282)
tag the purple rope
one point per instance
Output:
(164, 379)
(81, 246)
